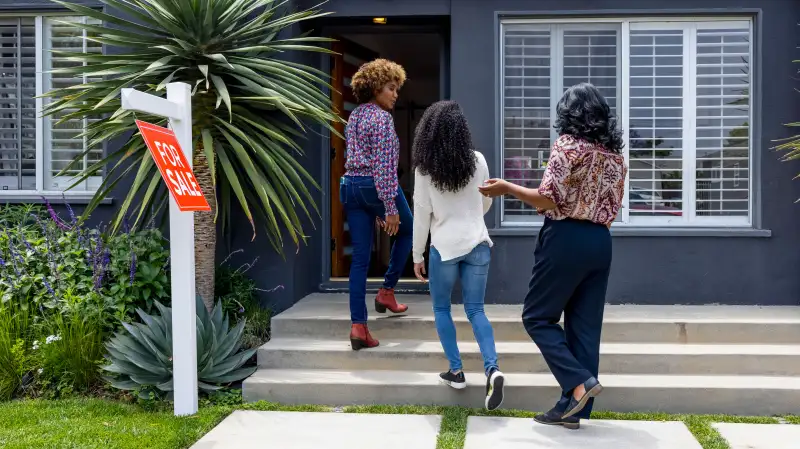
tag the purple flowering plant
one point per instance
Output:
(56, 263)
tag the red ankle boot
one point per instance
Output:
(386, 300)
(361, 338)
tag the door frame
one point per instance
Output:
(439, 26)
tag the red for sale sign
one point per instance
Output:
(174, 168)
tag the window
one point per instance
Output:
(681, 90)
(35, 149)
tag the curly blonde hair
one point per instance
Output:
(373, 76)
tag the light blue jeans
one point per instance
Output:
(472, 269)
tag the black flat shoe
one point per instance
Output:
(593, 389)
(553, 418)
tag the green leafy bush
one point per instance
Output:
(16, 337)
(239, 297)
(71, 354)
(59, 265)
(141, 357)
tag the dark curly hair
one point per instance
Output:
(443, 147)
(373, 75)
(584, 113)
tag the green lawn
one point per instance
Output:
(99, 423)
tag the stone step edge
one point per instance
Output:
(509, 319)
(617, 381)
(523, 347)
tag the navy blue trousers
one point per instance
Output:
(570, 276)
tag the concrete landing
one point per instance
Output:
(760, 436)
(296, 430)
(520, 433)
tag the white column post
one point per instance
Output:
(181, 237)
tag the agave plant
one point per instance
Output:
(141, 358)
(250, 105)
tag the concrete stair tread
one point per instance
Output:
(517, 347)
(332, 306)
(623, 381)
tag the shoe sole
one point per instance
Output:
(358, 345)
(380, 308)
(497, 383)
(570, 426)
(451, 384)
(593, 393)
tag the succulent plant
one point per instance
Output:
(141, 358)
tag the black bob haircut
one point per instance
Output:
(584, 113)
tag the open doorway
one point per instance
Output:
(421, 54)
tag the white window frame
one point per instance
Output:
(41, 138)
(690, 24)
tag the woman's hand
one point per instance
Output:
(495, 187)
(391, 225)
(419, 271)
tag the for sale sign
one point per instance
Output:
(174, 168)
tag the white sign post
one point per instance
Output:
(178, 108)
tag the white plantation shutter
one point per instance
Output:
(656, 145)
(539, 63)
(527, 110)
(17, 104)
(62, 140)
(723, 121)
(684, 100)
(591, 55)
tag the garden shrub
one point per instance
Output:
(58, 265)
(239, 297)
(63, 289)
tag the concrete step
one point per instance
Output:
(524, 357)
(327, 316)
(740, 395)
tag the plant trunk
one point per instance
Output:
(205, 231)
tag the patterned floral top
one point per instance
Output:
(585, 180)
(373, 149)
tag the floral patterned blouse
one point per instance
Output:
(584, 180)
(373, 149)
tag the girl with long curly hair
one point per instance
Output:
(580, 196)
(448, 205)
(369, 191)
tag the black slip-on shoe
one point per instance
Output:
(593, 389)
(553, 418)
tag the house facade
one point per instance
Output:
(701, 91)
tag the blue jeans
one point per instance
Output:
(472, 269)
(362, 206)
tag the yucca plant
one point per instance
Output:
(250, 107)
(791, 145)
(141, 358)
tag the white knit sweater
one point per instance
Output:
(454, 220)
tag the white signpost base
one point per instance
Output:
(178, 108)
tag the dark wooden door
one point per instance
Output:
(344, 64)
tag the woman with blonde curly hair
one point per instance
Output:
(369, 191)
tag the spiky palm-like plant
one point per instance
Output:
(250, 107)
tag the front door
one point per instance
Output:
(348, 57)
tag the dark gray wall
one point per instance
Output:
(670, 269)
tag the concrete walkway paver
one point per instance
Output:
(523, 433)
(300, 430)
(760, 436)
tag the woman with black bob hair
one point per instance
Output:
(580, 196)
(448, 205)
